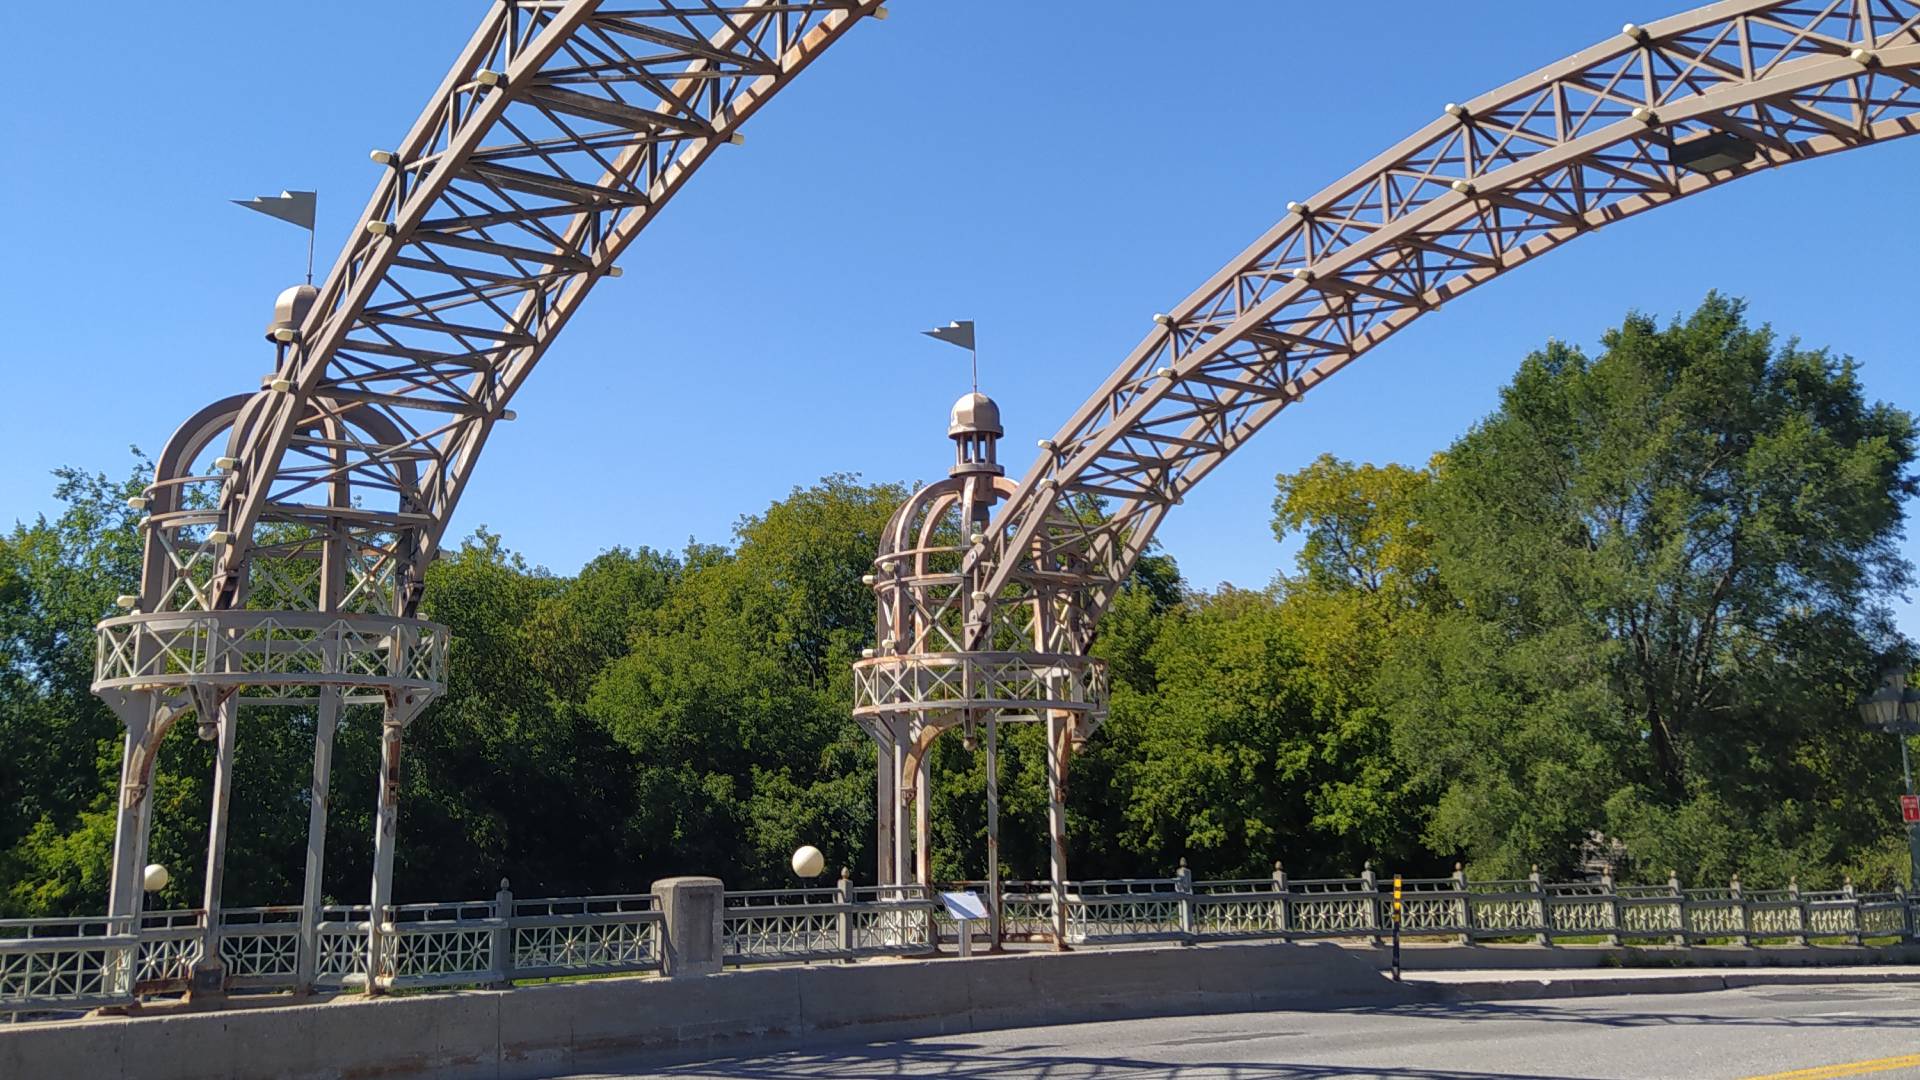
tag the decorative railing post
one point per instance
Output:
(1466, 903)
(693, 926)
(1280, 891)
(1183, 889)
(1740, 906)
(1680, 903)
(1613, 906)
(1853, 910)
(1800, 916)
(1542, 917)
(1372, 890)
(843, 894)
(501, 939)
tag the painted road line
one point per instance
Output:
(1849, 1068)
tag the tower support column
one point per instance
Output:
(308, 957)
(923, 821)
(1059, 748)
(386, 828)
(147, 722)
(902, 834)
(994, 929)
(886, 800)
(223, 712)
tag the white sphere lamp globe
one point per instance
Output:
(808, 862)
(155, 877)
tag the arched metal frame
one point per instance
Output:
(559, 134)
(1659, 113)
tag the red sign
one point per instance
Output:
(1910, 809)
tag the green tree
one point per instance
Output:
(733, 695)
(1365, 578)
(1669, 562)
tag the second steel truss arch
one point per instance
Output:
(1653, 115)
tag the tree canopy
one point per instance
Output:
(1635, 604)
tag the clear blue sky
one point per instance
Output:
(1056, 171)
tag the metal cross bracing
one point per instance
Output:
(289, 528)
(1655, 114)
(556, 138)
(989, 622)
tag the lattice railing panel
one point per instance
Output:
(782, 933)
(587, 946)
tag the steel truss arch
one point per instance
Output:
(561, 130)
(1653, 115)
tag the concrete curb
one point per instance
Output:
(1528, 987)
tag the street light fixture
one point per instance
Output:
(1895, 709)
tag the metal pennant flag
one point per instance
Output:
(959, 332)
(954, 333)
(293, 207)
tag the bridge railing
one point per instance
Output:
(69, 965)
(66, 963)
(1525, 909)
(834, 923)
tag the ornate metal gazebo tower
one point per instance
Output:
(320, 618)
(950, 655)
(291, 527)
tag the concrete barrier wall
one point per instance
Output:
(541, 1030)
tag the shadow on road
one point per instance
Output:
(961, 1057)
(952, 1058)
(1603, 1016)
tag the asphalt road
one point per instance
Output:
(1805, 1033)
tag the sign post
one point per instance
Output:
(1910, 809)
(1396, 928)
(965, 909)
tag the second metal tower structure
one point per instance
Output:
(950, 655)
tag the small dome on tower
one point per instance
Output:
(290, 307)
(975, 414)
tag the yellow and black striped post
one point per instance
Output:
(1396, 928)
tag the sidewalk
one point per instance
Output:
(1495, 985)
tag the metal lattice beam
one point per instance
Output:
(560, 132)
(1659, 113)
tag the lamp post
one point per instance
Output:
(1895, 708)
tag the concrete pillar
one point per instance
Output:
(309, 955)
(693, 925)
(1059, 747)
(995, 928)
(386, 825)
(210, 972)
